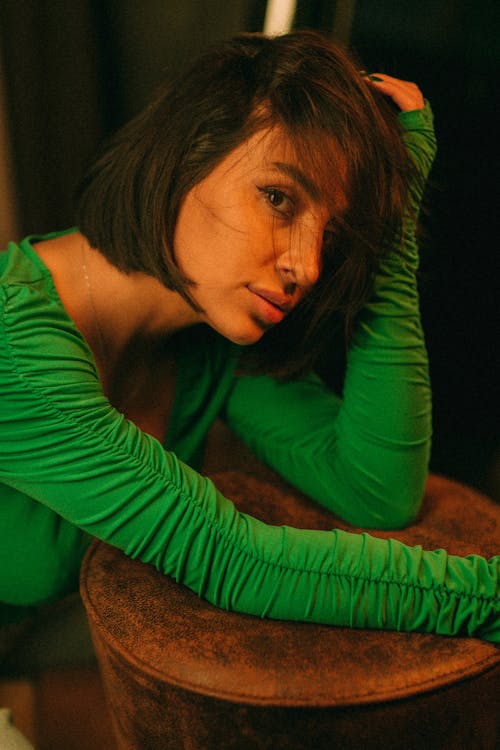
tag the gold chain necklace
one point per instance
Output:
(100, 335)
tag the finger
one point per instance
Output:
(405, 94)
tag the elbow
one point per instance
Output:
(398, 509)
(398, 498)
(398, 520)
(389, 502)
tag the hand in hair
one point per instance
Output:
(406, 95)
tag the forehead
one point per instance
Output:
(315, 166)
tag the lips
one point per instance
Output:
(282, 301)
(270, 307)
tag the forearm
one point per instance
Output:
(386, 422)
(384, 428)
(135, 496)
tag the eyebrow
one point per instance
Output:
(300, 177)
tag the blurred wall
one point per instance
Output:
(54, 98)
(153, 41)
(8, 207)
(76, 71)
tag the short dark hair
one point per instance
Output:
(313, 90)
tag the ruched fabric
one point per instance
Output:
(72, 466)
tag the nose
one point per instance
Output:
(299, 260)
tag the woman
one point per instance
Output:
(222, 233)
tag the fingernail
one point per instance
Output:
(376, 78)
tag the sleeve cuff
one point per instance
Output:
(416, 119)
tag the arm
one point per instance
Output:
(365, 456)
(64, 446)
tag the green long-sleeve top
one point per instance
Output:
(73, 466)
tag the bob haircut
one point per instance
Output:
(314, 93)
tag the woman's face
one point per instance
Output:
(250, 236)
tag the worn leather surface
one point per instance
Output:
(181, 673)
(173, 635)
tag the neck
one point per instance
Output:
(123, 316)
(134, 314)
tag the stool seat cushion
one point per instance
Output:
(165, 631)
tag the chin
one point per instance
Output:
(247, 337)
(245, 340)
(243, 330)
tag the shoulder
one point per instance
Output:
(39, 343)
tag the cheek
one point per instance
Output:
(220, 239)
(194, 233)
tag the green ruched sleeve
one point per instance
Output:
(64, 446)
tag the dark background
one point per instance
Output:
(74, 71)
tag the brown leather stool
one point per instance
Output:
(180, 673)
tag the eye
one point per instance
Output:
(278, 200)
(275, 197)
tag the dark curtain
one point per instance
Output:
(54, 96)
(76, 70)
